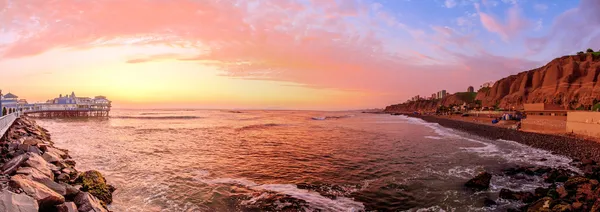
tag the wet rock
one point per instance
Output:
(45, 196)
(576, 205)
(562, 192)
(94, 183)
(87, 202)
(37, 162)
(542, 205)
(489, 202)
(572, 182)
(541, 192)
(596, 206)
(12, 165)
(561, 207)
(67, 207)
(12, 202)
(525, 197)
(480, 182)
(588, 161)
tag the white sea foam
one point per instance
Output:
(433, 137)
(314, 199)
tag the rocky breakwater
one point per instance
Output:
(566, 190)
(36, 176)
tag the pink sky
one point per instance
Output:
(304, 54)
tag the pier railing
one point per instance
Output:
(7, 121)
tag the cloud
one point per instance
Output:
(513, 26)
(323, 44)
(450, 3)
(572, 30)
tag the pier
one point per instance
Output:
(66, 113)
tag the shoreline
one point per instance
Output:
(573, 147)
(37, 176)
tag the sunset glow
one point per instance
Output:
(280, 54)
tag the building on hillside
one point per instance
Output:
(434, 96)
(441, 94)
(470, 89)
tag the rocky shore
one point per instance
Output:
(572, 147)
(36, 176)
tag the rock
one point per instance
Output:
(12, 165)
(576, 205)
(37, 162)
(11, 202)
(94, 183)
(561, 207)
(542, 205)
(24, 147)
(35, 175)
(87, 202)
(32, 141)
(60, 153)
(71, 191)
(562, 192)
(63, 177)
(45, 196)
(525, 197)
(480, 182)
(70, 162)
(67, 207)
(584, 192)
(541, 192)
(572, 182)
(34, 149)
(51, 157)
(596, 206)
(588, 161)
(489, 202)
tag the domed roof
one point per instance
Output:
(10, 96)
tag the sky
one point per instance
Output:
(279, 54)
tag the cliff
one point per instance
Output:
(432, 105)
(569, 82)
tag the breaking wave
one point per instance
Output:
(331, 117)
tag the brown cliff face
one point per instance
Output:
(570, 82)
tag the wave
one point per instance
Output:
(314, 199)
(156, 117)
(320, 118)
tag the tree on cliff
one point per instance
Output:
(580, 53)
(589, 50)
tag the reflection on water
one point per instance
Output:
(203, 160)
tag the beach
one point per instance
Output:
(570, 146)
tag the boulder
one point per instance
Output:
(45, 196)
(480, 182)
(70, 162)
(71, 191)
(32, 141)
(67, 207)
(37, 162)
(34, 149)
(526, 197)
(562, 207)
(11, 202)
(572, 182)
(87, 202)
(51, 157)
(542, 205)
(12, 165)
(94, 183)
(60, 153)
(35, 175)
(489, 202)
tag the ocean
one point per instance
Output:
(220, 160)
